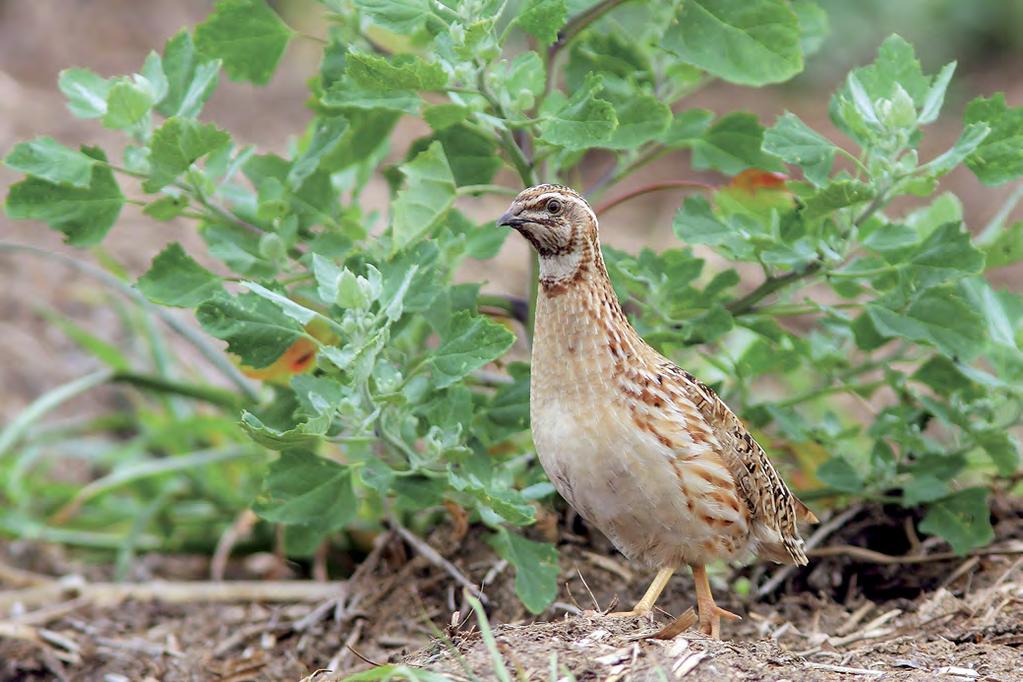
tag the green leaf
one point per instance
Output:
(504, 501)
(733, 144)
(695, 223)
(542, 19)
(238, 249)
(49, 160)
(328, 278)
(166, 207)
(940, 317)
(402, 72)
(190, 78)
(327, 136)
(175, 279)
(176, 145)
(687, 127)
(83, 214)
(302, 488)
(86, 92)
(428, 194)
(255, 329)
(972, 137)
(520, 81)
(127, 105)
(935, 97)
(947, 254)
(963, 519)
(347, 94)
(247, 36)
(894, 77)
(896, 64)
(306, 434)
(813, 25)
(794, 142)
(840, 475)
(750, 42)
(584, 121)
(471, 342)
(1007, 248)
(944, 376)
(839, 194)
(995, 309)
(295, 311)
(999, 158)
(152, 77)
(1002, 448)
(642, 118)
(536, 568)
(403, 17)
(445, 115)
(923, 488)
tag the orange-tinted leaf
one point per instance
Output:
(753, 180)
(755, 192)
(299, 358)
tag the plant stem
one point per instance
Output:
(828, 390)
(614, 174)
(994, 227)
(653, 187)
(516, 308)
(218, 211)
(770, 285)
(773, 284)
(872, 272)
(522, 165)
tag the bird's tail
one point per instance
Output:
(803, 512)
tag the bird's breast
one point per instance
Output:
(651, 494)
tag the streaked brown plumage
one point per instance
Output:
(638, 446)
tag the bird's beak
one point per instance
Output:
(510, 219)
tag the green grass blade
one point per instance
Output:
(152, 467)
(488, 639)
(46, 402)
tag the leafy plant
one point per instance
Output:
(871, 348)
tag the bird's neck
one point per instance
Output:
(581, 266)
(578, 311)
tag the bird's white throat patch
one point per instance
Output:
(561, 267)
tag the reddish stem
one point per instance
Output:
(655, 187)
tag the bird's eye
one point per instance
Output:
(554, 207)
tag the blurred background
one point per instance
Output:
(39, 38)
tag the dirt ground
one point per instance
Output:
(922, 615)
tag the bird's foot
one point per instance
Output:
(710, 619)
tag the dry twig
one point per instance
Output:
(241, 527)
(864, 554)
(843, 669)
(434, 557)
(819, 535)
(174, 592)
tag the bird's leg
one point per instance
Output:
(710, 613)
(646, 604)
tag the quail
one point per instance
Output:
(639, 447)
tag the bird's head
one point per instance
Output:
(555, 219)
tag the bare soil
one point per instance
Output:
(958, 618)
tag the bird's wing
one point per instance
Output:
(766, 496)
